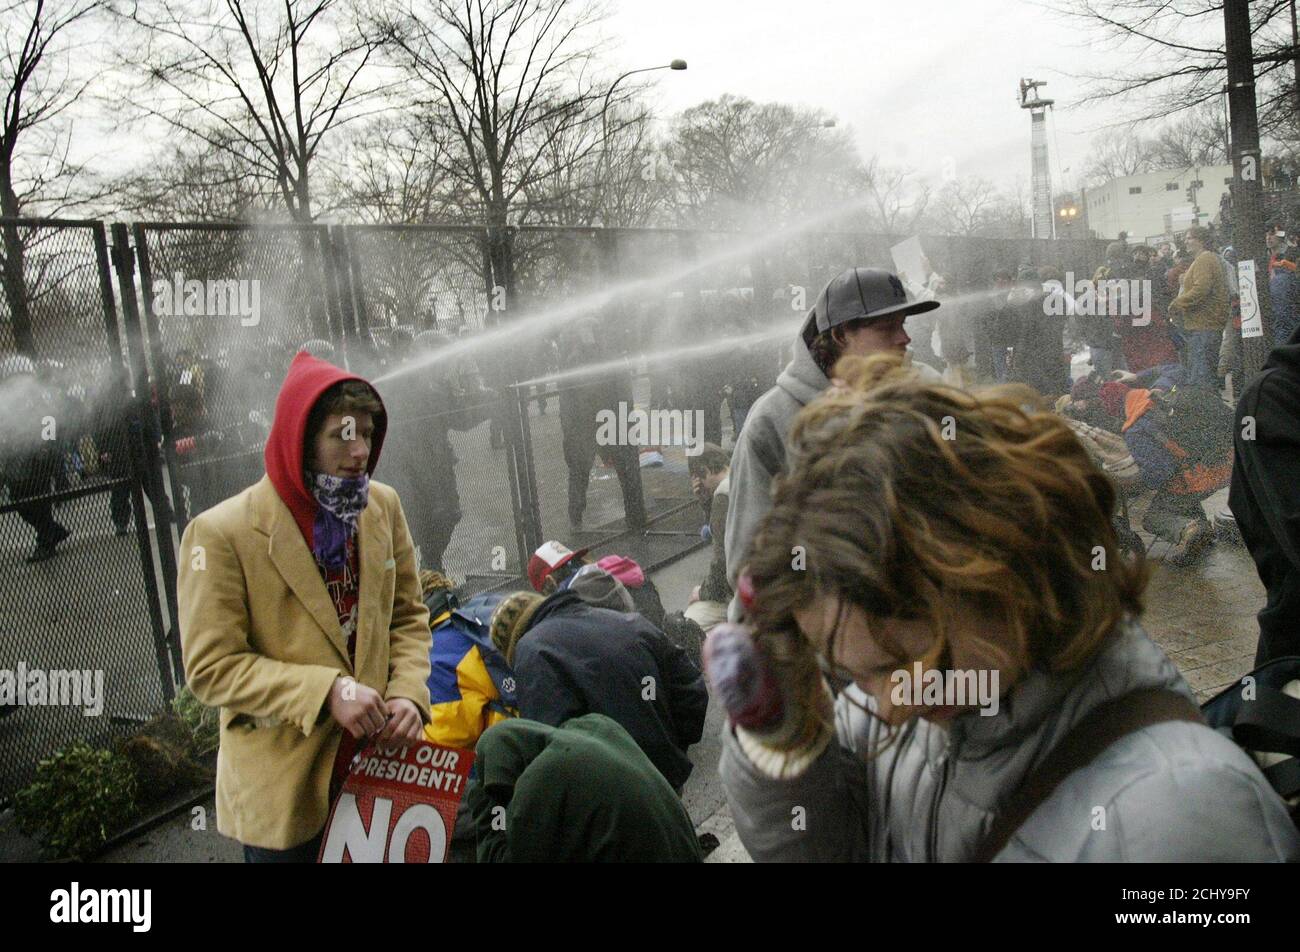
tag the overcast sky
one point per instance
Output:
(916, 81)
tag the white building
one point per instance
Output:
(1155, 203)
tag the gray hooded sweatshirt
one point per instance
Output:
(760, 451)
(1172, 792)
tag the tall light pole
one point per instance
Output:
(1041, 180)
(677, 64)
(1247, 201)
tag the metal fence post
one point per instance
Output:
(146, 462)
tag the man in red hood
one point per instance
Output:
(301, 616)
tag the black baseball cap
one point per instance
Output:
(859, 293)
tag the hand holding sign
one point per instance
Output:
(358, 708)
(404, 727)
(397, 806)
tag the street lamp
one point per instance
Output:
(677, 65)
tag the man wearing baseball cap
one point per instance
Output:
(614, 582)
(860, 312)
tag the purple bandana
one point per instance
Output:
(340, 501)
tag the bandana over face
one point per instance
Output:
(341, 501)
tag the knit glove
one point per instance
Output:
(781, 725)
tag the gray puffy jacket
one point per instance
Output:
(1172, 792)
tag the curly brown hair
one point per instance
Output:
(913, 500)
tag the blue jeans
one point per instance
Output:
(303, 853)
(1203, 357)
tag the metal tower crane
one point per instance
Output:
(1041, 181)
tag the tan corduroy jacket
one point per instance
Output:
(261, 640)
(1204, 299)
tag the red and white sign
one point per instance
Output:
(398, 807)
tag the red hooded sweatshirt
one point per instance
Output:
(303, 385)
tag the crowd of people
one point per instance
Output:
(885, 507)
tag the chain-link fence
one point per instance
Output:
(82, 646)
(416, 278)
(227, 307)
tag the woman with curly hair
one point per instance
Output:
(943, 659)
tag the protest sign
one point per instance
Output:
(397, 806)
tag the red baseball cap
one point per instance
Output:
(549, 557)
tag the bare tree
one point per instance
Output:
(964, 206)
(1118, 152)
(265, 83)
(40, 81)
(615, 176)
(1197, 138)
(1178, 48)
(897, 205)
(510, 77)
(392, 169)
(1011, 215)
(742, 164)
(195, 185)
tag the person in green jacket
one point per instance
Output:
(582, 792)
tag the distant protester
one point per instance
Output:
(571, 658)
(709, 481)
(585, 345)
(950, 677)
(1038, 357)
(1202, 308)
(577, 792)
(1147, 345)
(28, 463)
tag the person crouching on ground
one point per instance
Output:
(470, 685)
(300, 616)
(709, 480)
(615, 582)
(571, 658)
(579, 792)
(981, 556)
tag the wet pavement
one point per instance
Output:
(1203, 615)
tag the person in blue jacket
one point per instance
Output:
(571, 658)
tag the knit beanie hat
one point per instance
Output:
(438, 593)
(510, 620)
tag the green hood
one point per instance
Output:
(581, 792)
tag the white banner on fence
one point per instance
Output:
(1252, 322)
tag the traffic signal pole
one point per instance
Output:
(1247, 198)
